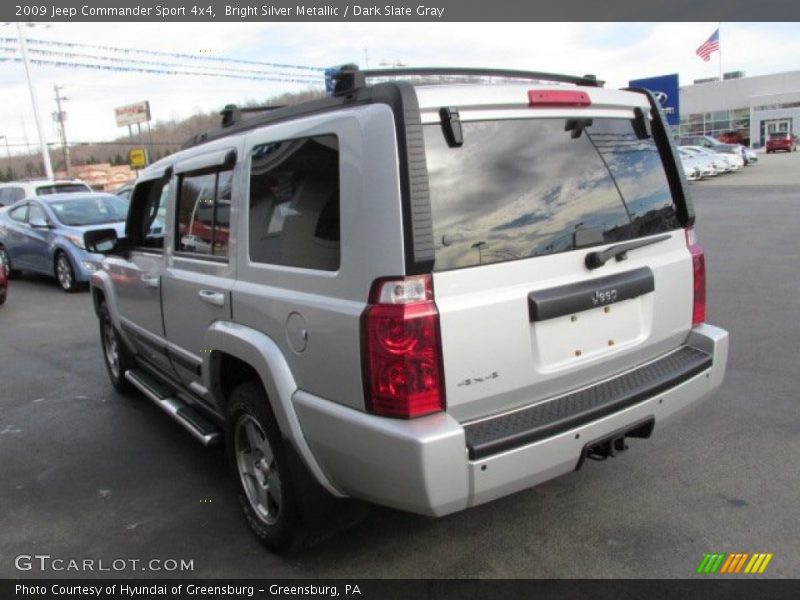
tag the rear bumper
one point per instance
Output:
(424, 465)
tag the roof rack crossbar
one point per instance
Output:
(232, 114)
(350, 79)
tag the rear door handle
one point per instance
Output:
(212, 297)
(150, 281)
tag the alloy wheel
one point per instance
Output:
(110, 348)
(257, 468)
(64, 272)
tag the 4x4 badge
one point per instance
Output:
(472, 380)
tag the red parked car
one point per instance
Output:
(731, 137)
(3, 283)
(781, 141)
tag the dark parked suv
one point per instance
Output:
(781, 140)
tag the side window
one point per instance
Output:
(20, 213)
(294, 203)
(203, 215)
(36, 212)
(17, 193)
(156, 214)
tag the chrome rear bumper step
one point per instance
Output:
(189, 418)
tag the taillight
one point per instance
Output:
(546, 98)
(402, 360)
(699, 271)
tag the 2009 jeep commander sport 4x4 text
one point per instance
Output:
(421, 296)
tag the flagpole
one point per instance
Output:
(719, 43)
(721, 88)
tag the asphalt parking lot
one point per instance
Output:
(87, 473)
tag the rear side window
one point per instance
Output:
(62, 188)
(204, 209)
(525, 188)
(294, 203)
(9, 195)
(20, 213)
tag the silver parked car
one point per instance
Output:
(421, 297)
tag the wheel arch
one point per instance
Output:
(240, 351)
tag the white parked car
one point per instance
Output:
(695, 167)
(708, 167)
(12, 191)
(722, 162)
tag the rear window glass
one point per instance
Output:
(61, 188)
(778, 136)
(524, 188)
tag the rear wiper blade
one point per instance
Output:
(597, 259)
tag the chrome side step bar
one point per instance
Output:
(190, 419)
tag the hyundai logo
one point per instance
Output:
(661, 97)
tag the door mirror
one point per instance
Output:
(39, 223)
(101, 241)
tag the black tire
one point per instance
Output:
(112, 344)
(5, 260)
(64, 272)
(261, 469)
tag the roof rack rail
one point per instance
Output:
(232, 114)
(349, 79)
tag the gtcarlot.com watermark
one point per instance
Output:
(48, 563)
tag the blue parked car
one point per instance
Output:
(45, 234)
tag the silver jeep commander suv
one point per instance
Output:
(416, 293)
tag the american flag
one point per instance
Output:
(709, 46)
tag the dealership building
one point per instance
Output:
(753, 106)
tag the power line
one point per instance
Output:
(74, 55)
(171, 54)
(54, 63)
(73, 144)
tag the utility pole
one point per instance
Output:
(61, 116)
(8, 150)
(23, 47)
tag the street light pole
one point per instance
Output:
(48, 168)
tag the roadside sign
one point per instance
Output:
(137, 158)
(138, 112)
(665, 88)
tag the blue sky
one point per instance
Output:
(615, 52)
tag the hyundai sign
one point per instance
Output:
(665, 89)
